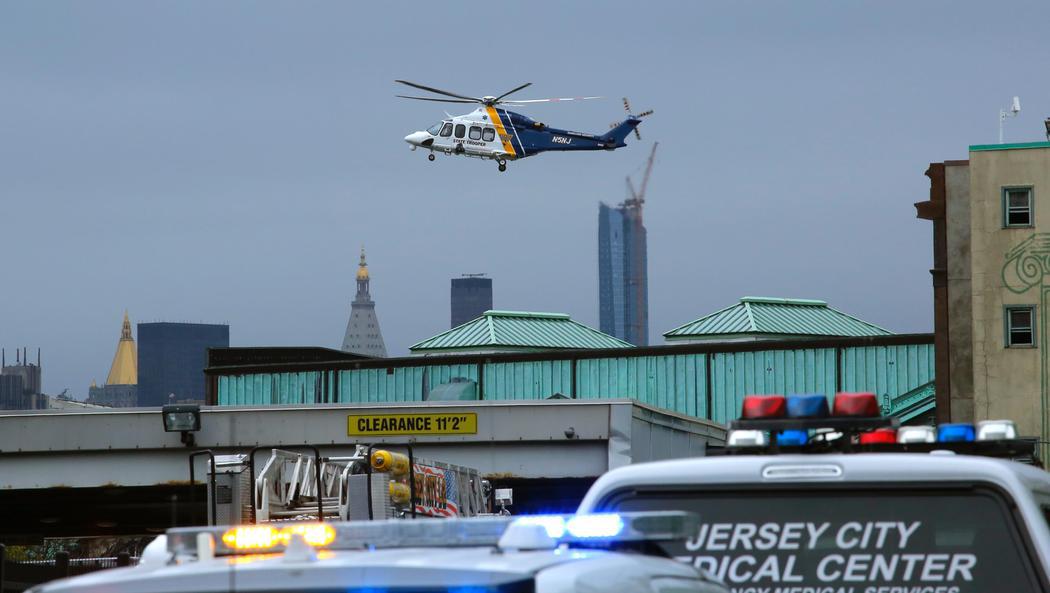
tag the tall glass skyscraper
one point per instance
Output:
(623, 278)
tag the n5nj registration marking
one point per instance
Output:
(399, 424)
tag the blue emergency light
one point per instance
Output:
(954, 433)
(793, 437)
(809, 405)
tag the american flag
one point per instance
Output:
(451, 493)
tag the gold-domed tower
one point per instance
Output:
(362, 330)
(121, 388)
(125, 367)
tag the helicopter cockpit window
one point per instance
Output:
(460, 130)
(434, 129)
(488, 134)
(475, 133)
(446, 130)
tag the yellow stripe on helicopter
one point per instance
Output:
(508, 147)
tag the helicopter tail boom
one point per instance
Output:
(618, 134)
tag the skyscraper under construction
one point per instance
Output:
(623, 275)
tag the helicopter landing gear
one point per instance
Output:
(430, 157)
(502, 165)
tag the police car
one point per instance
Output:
(537, 554)
(807, 501)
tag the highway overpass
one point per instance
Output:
(117, 472)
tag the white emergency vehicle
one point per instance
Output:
(804, 501)
(537, 554)
(373, 483)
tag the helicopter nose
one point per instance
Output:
(416, 138)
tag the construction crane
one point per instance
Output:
(635, 276)
(638, 197)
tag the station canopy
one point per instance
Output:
(756, 318)
(517, 331)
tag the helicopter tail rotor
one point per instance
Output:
(627, 108)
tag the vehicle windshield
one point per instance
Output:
(965, 541)
(434, 129)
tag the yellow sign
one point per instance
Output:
(412, 424)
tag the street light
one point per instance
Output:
(1015, 108)
(182, 418)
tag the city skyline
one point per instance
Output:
(238, 173)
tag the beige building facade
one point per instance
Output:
(991, 278)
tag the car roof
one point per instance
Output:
(397, 567)
(819, 468)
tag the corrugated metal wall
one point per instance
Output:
(676, 383)
(888, 371)
(679, 382)
(736, 374)
(528, 380)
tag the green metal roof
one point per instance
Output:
(775, 316)
(986, 147)
(520, 329)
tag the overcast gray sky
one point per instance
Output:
(224, 161)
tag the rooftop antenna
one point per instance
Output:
(481, 275)
(1015, 108)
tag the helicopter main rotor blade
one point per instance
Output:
(435, 99)
(511, 92)
(438, 91)
(552, 100)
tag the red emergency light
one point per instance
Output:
(857, 405)
(764, 406)
(879, 436)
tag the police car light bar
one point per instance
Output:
(400, 533)
(642, 526)
(850, 412)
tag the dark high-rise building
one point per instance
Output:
(623, 279)
(13, 395)
(20, 383)
(471, 296)
(171, 360)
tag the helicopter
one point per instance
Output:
(494, 133)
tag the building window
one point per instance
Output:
(1017, 207)
(1020, 326)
